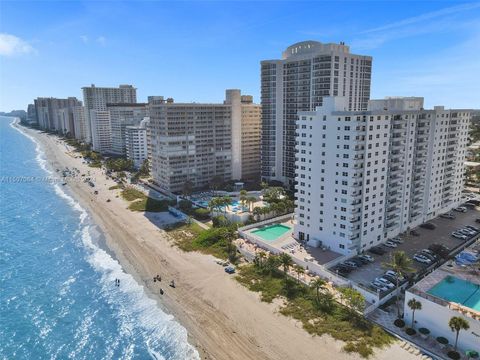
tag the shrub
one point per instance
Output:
(399, 323)
(185, 205)
(201, 214)
(424, 331)
(219, 221)
(442, 340)
(410, 331)
(453, 355)
(149, 205)
(131, 194)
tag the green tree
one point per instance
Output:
(286, 262)
(299, 270)
(402, 265)
(456, 324)
(318, 285)
(215, 183)
(353, 299)
(243, 197)
(414, 305)
(250, 201)
(187, 188)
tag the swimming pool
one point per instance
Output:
(459, 291)
(272, 232)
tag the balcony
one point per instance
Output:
(391, 224)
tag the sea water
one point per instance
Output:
(58, 298)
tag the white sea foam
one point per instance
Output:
(138, 314)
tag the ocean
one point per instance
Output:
(58, 298)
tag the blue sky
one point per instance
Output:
(194, 50)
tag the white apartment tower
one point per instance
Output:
(101, 131)
(97, 98)
(366, 176)
(136, 142)
(307, 72)
(55, 114)
(121, 116)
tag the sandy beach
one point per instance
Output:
(224, 320)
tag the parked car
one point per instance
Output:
(433, 258)
(467, 232)
(350, 264)
(230, 270)
(385, 282)
(476, 229)
(422, 259)
(394, 274)
(377, 250)
(459, 235)
(428, 226)
(362, 260)
(474, 201)
(397, 240)
(390, 278)
(414, 233)
(462, 209)
(469, 204)
(342, 268)
(367, 257)
(448, 216)
(378, 286)
(390, 244)
(357, 261)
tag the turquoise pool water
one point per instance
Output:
(272, 232)
(459, 291)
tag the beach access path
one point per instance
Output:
(224, 320)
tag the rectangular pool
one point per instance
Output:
(272, 232)
(459, 291)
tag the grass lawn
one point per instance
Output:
(326, 317)
(149, 204)
(131, 194)
(191, 237)
(114, 187)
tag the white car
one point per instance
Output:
(367, 257)
(385, 282)
(397, 240)
(390, 244)
(462, 209)
(423, 259)
(467, 232)
(394, 274)
(459, 235)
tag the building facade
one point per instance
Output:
(189, 143)
(101, 131)
(246, 135)
(307, 72)
(121, 116)
(366, 176)
(31, 114)
(80, 123)
(55, 114)
(97, 98)
(136, 142)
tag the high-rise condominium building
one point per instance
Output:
(121, 116)
(101, 131)
(307, 72)
(136, 142)
(97, 98)
(202, 142)
(31, 114)
(366, 176)
(246, 135)
(80, 123)
(56, 114)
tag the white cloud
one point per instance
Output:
(102, 40)
(10, 45)
(84, 39)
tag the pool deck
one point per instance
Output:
(288, 244)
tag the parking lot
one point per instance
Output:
(412, 244)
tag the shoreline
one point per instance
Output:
(223, 319)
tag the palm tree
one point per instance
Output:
(286, 262)
(250, 201)
(457, 323)
(243, 197)
(401, 264)
(299, 270)
(414, 305)
(317, 284)
(261, 256)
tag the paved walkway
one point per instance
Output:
(413, 344)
